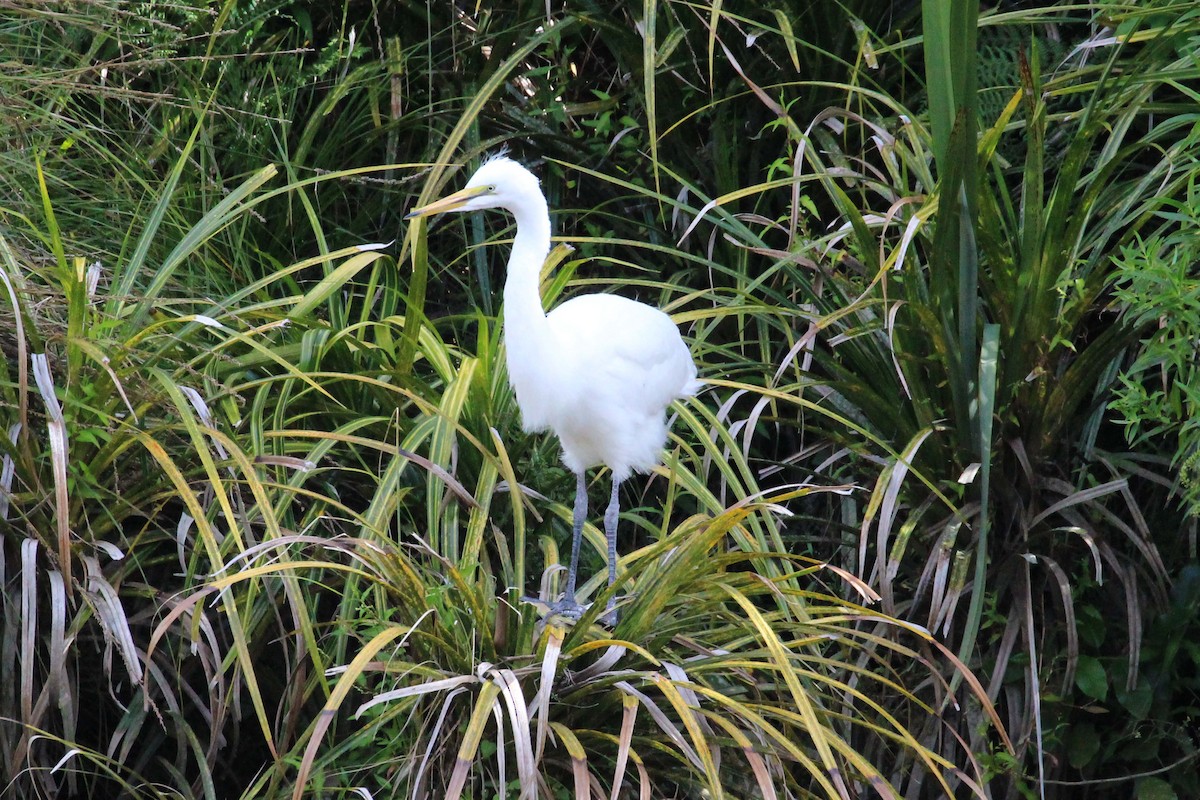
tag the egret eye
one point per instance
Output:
(491, 189)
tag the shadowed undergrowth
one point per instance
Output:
(267, 514)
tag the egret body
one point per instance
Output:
(598, 371)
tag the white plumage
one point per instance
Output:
(619, 365)
(599, 370)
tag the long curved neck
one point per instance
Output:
(524, 318)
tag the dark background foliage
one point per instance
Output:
(955, 300)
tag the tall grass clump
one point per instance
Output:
(961, 308)
(109, 436)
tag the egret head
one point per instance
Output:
(499, 183)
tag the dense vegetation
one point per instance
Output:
(266, 511)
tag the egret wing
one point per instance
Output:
(629, 343)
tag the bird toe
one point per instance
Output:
(568, 607)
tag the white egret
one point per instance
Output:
(599, 370)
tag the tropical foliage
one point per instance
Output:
(268, 523)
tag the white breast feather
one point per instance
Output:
(618, 364)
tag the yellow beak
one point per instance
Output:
(451, 202)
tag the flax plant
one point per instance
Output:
(960, 311)
(100, 393)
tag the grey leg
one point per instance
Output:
(567, 605)
(610, 531)
(581, 505)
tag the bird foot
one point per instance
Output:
(564, 607)
(609, 617)
(572, 609)
(568, 607)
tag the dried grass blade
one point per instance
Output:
(550, 659)
(941, 558)
(663, 721)
(57, 429)
(434, 740)
(111, 614)
(200, 406)
(683, 684)
(881, 510)
(605, 663)
(1034, 668)
(860, 586)
(506, 679)
(10, 263)
(1127, 576)
(8, 471)
(578, 755)
(57, 680)
(1082, 496)
(484, 702)
(629, 704)
(1064, 590)
(644, 775)
(1095, 551)
(429, 687)
(501, 761)
(179, 608)
(29, 616)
